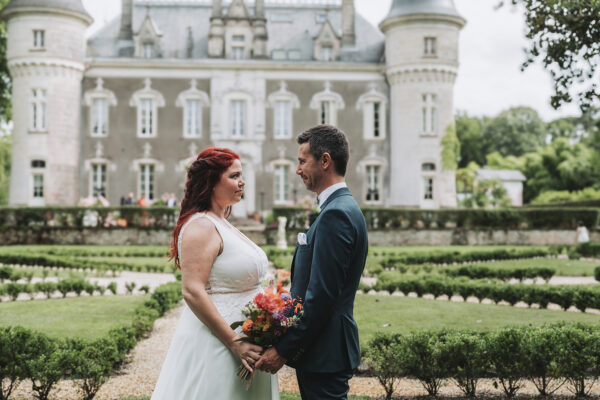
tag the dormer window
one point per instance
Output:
(321, 17)
(149, 50)
(326, 53)
(237, 47)
(39, 39)
(430, 46)
(327, 43)
(278, 54)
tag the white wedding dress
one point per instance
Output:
(199, 366)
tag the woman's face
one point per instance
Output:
(228, 190)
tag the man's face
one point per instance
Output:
(308, 168)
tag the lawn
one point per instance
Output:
(562, 267)
(85, 317)
(408, 314)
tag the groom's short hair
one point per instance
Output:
(327, 139)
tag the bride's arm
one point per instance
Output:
(201, 244)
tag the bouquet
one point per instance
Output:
(269, 315)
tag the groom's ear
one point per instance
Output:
(326, 161)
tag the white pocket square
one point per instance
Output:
(302, 239)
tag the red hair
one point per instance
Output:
(202, 176)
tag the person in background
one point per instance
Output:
(172, 200)
(129, 201)
(581, 235)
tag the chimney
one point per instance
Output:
(126, 45)
(217, 9)
(348, 32)
(259, 11)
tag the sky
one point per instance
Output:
(491, 50)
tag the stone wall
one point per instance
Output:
(408, 237)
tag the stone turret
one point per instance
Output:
(46, 62)
(259, 42)
(421, 51)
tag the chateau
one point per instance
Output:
(124, 110)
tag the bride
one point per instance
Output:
(221, 272)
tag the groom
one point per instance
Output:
(326, 270)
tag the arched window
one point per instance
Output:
(147, 101)
(283, 102)
(327, 104)
(192, 101)
(99, 99)
(373, 105)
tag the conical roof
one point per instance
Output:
(67, 5)
(402, 8)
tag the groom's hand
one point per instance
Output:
(270, 361)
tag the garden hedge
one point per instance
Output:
(45, 260)
(510, 218)
(450, 257)
(582, 297)
(27, 354)
(548, 356)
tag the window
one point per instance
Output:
(326, 53)
(376, 119)
(147, 181)
(325, 115)
(237, 47)
(294, 54)
(146, 118)
(283, 120)
(149, 50)
(39, 39)
(430, 43)
(38, 164)
(428, 180)
(321, 17)
(38, 109)
(373, 183)
(278, 54)
(429, 114)
(147, 101)
(427, 188)
(282, 184)
(99, 117)
(237, 110)
(38, 186)
(99, 180)
(428, 167)
(280, 17)
(192, 112)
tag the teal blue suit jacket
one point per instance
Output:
(325, 274)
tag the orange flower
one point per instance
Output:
(298, 307)
(247, 327)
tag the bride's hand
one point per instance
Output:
(247, 352)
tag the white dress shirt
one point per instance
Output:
(329, 191)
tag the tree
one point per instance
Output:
(565, 36)
(515, 132)
(558, 166)
(5, 81)
(469, 131)
(450, 149)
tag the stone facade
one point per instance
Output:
(168, 79)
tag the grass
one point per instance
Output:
(380, 250)
(562, 267)
(85, 317)
(93, 249)
(160, 261)
(407, 314)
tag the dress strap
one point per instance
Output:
(192, 218)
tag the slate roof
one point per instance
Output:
(500, 174)
(175, 16)
(411, 7)
(71, 5)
